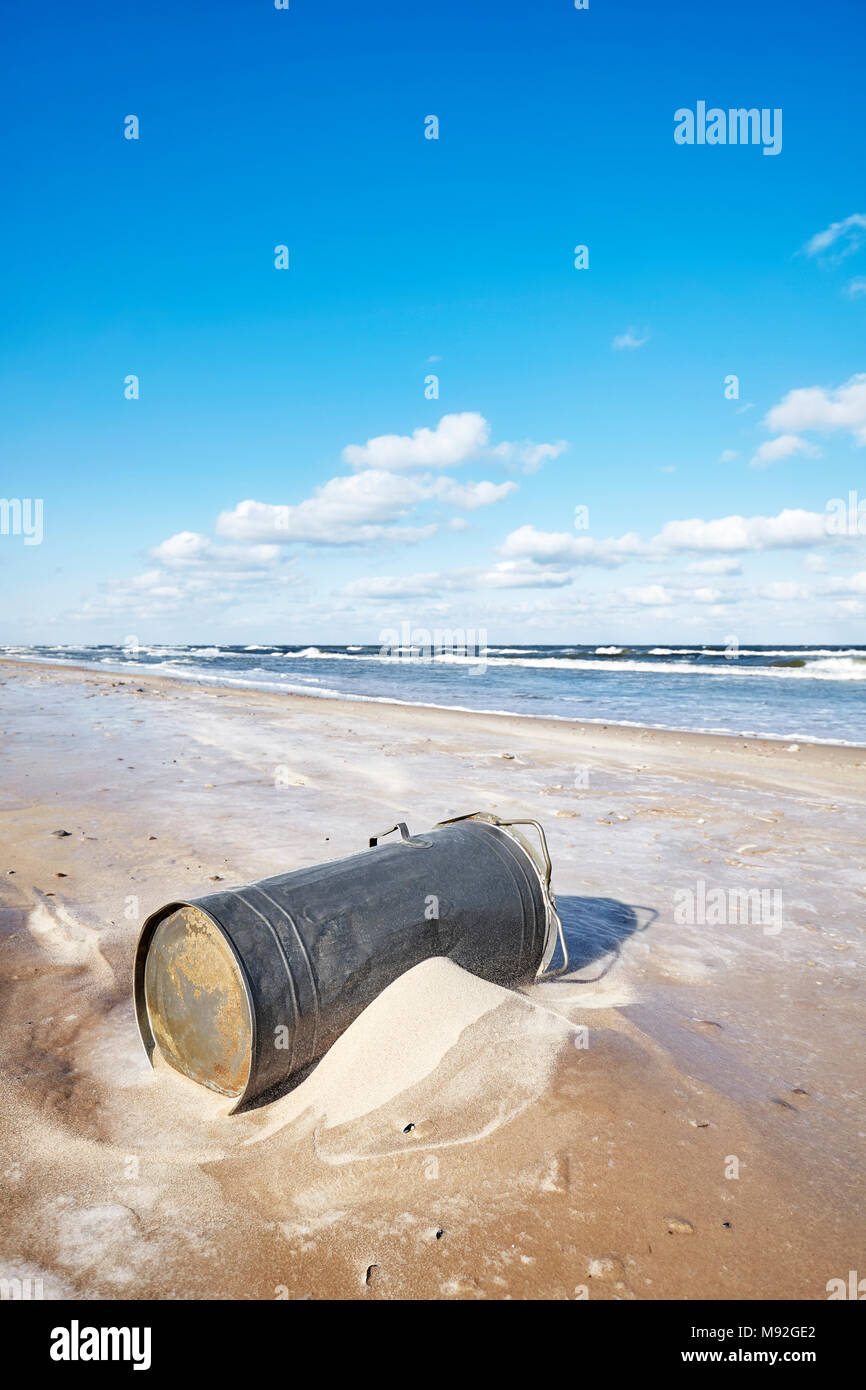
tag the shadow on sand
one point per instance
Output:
(595, 928)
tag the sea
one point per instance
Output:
(809, 694)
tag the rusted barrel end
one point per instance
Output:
(192, 999)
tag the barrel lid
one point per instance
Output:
(192, 999)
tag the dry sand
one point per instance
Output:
(460, 1140)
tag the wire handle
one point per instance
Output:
(401, 826)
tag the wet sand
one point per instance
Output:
(578, 1138)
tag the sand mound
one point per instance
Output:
(438, 1058)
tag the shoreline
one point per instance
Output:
(204, 678)
(611, 736)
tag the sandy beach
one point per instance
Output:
(679, 1118)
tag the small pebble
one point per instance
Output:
(678, 1227)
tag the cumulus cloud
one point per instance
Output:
(856, 288)
(508, 574)
(515, 574)
(791, 528)
(469, 496)
(817, 408)
(454, 440)
(816, 563)
(190, 549)
(649, 596)
(528, 455)
(848, 584)
(344, 511)
(204, 585)
(356, 509)
(846, 236)
(731, 534)
(720, 565)
(782, 591)
(630, 339)
(399, 586)
(783, 446)
(560, 547)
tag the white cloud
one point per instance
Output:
(721, 565)
(849, 584)
(783, 592)
(344, 511)
(856, 288)
(514, 574)
(454, 440)
(650, 596)
(847, 235)
(205, 585)
(630, 339)
(559, 547)
(190, 549)
(780, 448)
(469, 496)
(816, 563)
(728, 456)
(529, 455)
(356, 509)
(508, 574)
(398, 586)
(816, 408)
(791, 528)
(732, 534)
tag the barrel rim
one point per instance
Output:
(145, 1032)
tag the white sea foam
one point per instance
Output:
(834, 667)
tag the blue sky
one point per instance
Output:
(411, 257)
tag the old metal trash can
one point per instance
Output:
(243, 989)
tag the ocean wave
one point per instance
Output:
(831, 668)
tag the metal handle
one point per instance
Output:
(549, 900)
(401, 826)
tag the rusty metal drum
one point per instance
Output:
(243, 990)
